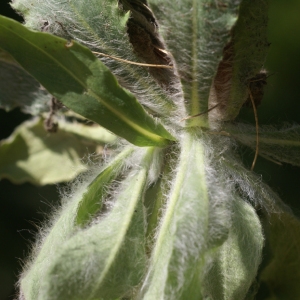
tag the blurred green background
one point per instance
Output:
(24, 207)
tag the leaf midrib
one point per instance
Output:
(136, 127)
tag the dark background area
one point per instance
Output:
(24, 206)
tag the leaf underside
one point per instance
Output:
(31, 154)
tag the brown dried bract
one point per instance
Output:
(142, 29)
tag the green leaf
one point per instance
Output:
(196, 33)
(278, 144)
(31, 154)
(243, 59)
(19, 89)
(102, 27)
(78, 79)
(282, 273)
(236, 262)
(92, 200)
(249, 184)
(110, 255)
(62, 228)
(281, 230)
(47, 246)
(177, 257)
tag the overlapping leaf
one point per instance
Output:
(110, 255)
(196, 33)
(181, 243)
(187, 230)
(62, 230)
(78, 79)
(101, 26)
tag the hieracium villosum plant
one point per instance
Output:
(165, 208)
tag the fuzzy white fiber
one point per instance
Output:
(102, 28)
(205, 198)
